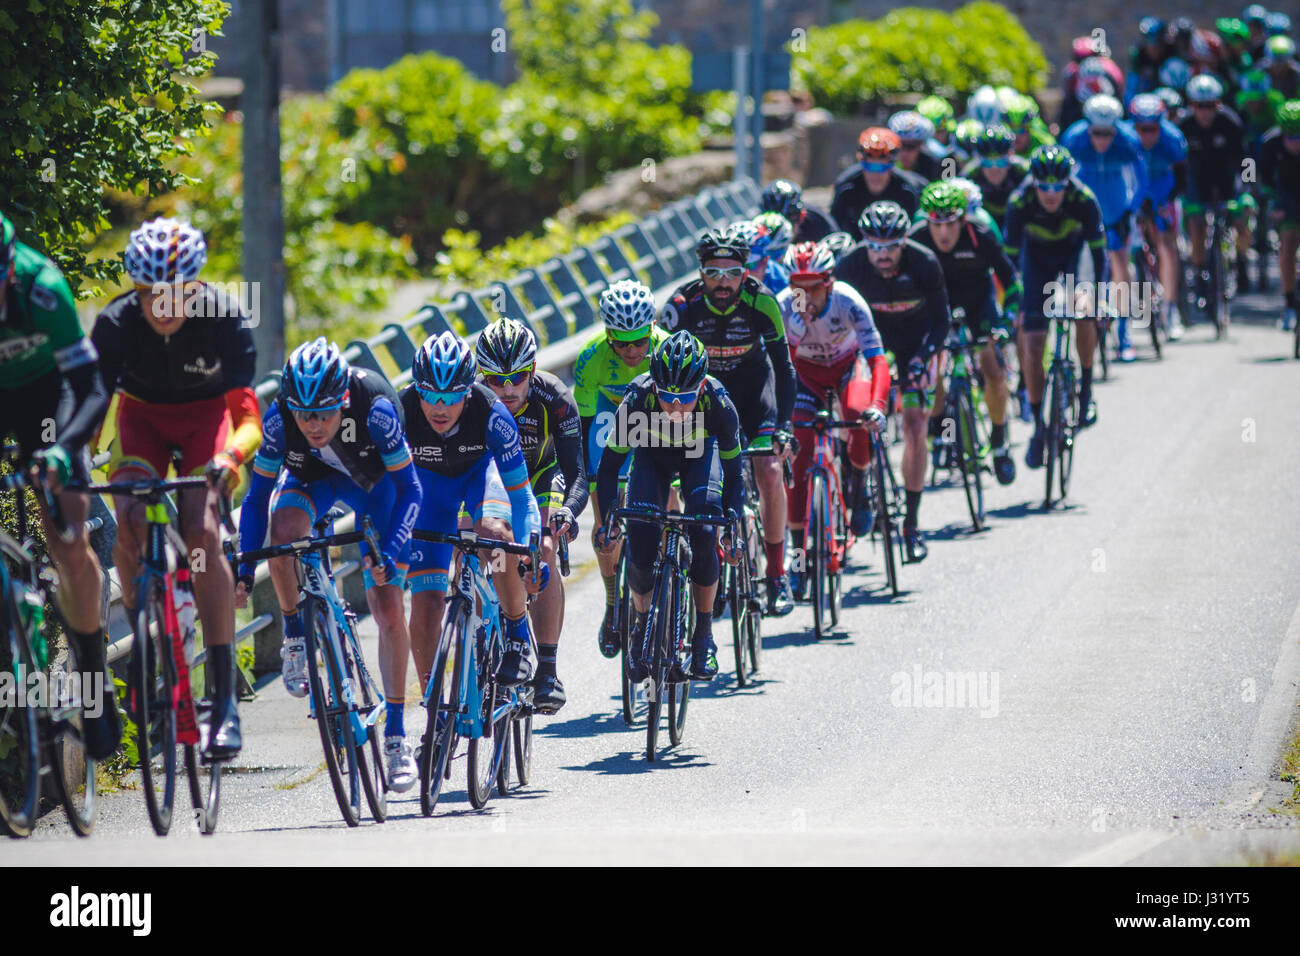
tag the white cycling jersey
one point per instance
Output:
(843, 328)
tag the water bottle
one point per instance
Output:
(186, 613)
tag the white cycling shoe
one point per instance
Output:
(401, 765)
(294, 671)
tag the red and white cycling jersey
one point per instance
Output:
(842, 329)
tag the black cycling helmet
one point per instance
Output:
(444, 364)
(1051, 164)
(506, 347)
(680, 363)
(784, 197)
(884, 220)
(315, 377)
(997, 140)
(839, 243)
(722, 244)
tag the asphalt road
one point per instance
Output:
(1138, 650)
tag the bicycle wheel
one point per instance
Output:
(503, 765)
(659, 625)
(1143, 276)
(332, 717)
(631, 691)
(74, 772)
(1103, 333)
(523, 745)
(441, 704)
(20, 766)
(816, 552)
(836, 556)
(679, 695)
(204, 800)
(884, 517)
(1214, 294)
(370, 754)
(969, 459)
(155, 717)
(1296, 341)
(487, 751)
(1069, 412)
(738, 599)
(1052, 443)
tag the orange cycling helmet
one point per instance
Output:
(878, 142)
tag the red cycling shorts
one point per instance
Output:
(147, 433)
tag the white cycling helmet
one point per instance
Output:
(984, 106)
(911, 127)
(165, 250)
(628, 308)
(1102, 111)
(1204, 88)
(974, 196)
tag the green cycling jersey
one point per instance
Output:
(600, 371)
(40, 331)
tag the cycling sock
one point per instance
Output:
(998, 435)
(1085, 379)
(546, 658)
(1290, 299)
(517, 626)
(936, 426)
(913, 506)
(221, 664)
(775, 558)
(394, 725)
(611, 590)
(91, 649)
(293, 624)
(1038, 414)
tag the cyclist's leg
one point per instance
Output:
(1194, 218)
(295, 507)
(489, 505)
(757, 410)
(1164, 243)
(855, 399)
(647, 486)
(806, 405)
(607, 563)
(200, 521)
(547, 609)
(1121, 274)
(427, 576)
(915, 416)
(139, 453)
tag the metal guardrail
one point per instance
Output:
(558, 301)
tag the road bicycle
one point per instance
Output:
(1218, 275)
(462, 698)
(739, 584)
(346, 703)
(965, 429)
(40, 737)
(1146, 276)
(1061, 407)
(162, 702)
(889, 501)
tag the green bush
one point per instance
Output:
(850, 67)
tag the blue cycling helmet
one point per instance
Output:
(315, 377)
(444, 364)
(1051, 164)
(1278, 24)
(1146, 108)
(1152, 28)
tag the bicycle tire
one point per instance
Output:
(485, 752)
(1213, 294)
(756, 552)
(630, 691)
(439, 742)
(1069, 411)
(657, 625)
(738, 602)
(816, 552)
(679, 695)
(374, 780)
(523, 746)
(20, 787)
(332, 720)
(884, 519)
(1051, 445)
(968, 459)
(206, 801)
(155, 713)
(75, 773)
(839, 551)
(507, 755)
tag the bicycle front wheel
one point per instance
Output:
(970, 459)
(74, 772)
(884, 523)
(332, 716)
(631, 691)
(20, 763)
(1069, 414)
(679, 695)
(817, 554)
(735, 598)
(442, 702)
(487, 751)
(1052, 444)
(523, 747)
(155, 717)
(370, 754)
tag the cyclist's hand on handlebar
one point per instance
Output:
(56, 464)
(563, 522)
(384, 572)
(784, 442)
(223, 472)
(243, 588)
(535, 579)
(875, 418)
(916, 371)
(607, 538)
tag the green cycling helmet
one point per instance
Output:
(1279, 48)
(943, 200)
(968, 134)
(680, 363)
(1288, 117)
(1230, 28)
(938, 111)
(1051, 164)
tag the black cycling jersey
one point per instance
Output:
(911, 307)
(1214, 157)
(966, 267)
(928, 167)
(852, 196)
(814, 226)
(996, 197)
(1279, 169)
(354, 445)
(737, 339)
(460, 449)
(549, 434)
(211, 353)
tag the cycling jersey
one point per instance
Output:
(967, 267)
(851, 196)
(1143, 70)
(927, 167)
(1117, 176)
(842, 329)
(549, 437)
(996, 195)
(1043, 245)
(599, 379)
(1166, 163)
(775, 278)
(1214, 155)
(368, 454)
(41, 341)
(909, 308)
(813, 226)
(1279, 176)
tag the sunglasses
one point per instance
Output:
(1051, 187)
(908, 144)
(934, 217)
(1147, 127)
(1101, 133)
(1205, 106)
(313, 414)
(874, 167)
(442, 398)
(621, 344)
(677, 398)
(514, 378)
(996, 162)
(874, 246)
(813, 280)
(715, 272)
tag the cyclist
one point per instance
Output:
(1215, 144)
(1097, 75)
(902, 282)
(998, 170)
(675, 421)
(939, 112)
(835, 342)
(611, 359)
(985, 107)
(1256, 18)
(769, 240)
(785, 197)
(839, 243)
(914, 131)
(550, 436)
(466, 448)
(967, 136)
(334, 434)
(1110, 163)
(1279, 175)
(1164, 151)
(970, 255)
(1026, 125)
(1279, 61)
(874, 177)
(181, 354)
(1050, 219)
(1146, 57)
(740, 325)
(49, 373)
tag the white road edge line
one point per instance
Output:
(1123, 850)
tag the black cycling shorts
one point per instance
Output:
(26, 414)
(752, 387)
(653, 471)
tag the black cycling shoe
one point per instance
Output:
(798, 585)
(609, 637)
(916, 549)
(102, 735)
(548, 693)
(704, 661)
(1004, 467)
(224, 739)
(518, 662)
(1034, 453)
(1089, 413)
(863, 520)
(779, 600)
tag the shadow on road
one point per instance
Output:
(588, 726)
(635, 762)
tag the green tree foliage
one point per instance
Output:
(95, 94)
(851, 66)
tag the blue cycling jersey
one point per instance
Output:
(1116, 177)
(1169, 149)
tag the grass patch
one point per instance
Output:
(295, 784)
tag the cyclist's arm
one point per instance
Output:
(936, 305)
(1179, 170)
(1094, 235)
(872, 347)
(1014, 232)
(245, 424)
(50, 301)
(612, 458)
(778, 352)
(1006, 272)
(570, 444)
(253, 511)
(503, 442)
(385, 427)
